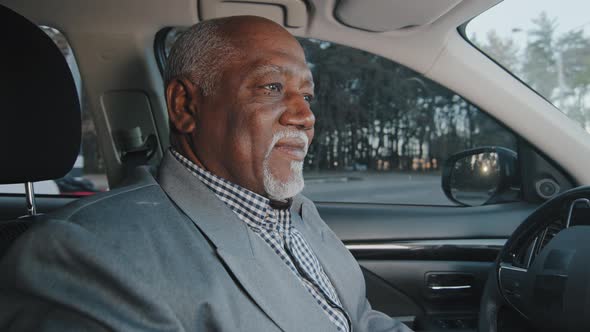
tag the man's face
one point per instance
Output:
(254, 130)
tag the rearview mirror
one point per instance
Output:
(481, 176)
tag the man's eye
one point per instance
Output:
(275, 87)
(308, 98)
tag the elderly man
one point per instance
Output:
(221, 241)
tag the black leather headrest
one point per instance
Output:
(39, 108)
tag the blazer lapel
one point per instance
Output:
(337, 262)
(260, 271)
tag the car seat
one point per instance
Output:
(40, 124)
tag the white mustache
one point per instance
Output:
(288, 134)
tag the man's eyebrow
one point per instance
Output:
(309, 81)
(265, 70)
(274, 69)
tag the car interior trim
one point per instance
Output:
(512, 268)
(466, 243)
(289, 13)
(384, 16)
(481, 250)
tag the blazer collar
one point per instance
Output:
(260, 271)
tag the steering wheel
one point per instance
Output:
(543, 271)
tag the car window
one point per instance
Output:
(383, 131)
(88, 175)
(546, 44)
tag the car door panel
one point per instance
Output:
(355, 223)
(407, 250)
(409, 279)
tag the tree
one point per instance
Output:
(503, 50)
(377, 114)
(574, 68)
(540, 64)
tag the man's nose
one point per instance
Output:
(298, 113)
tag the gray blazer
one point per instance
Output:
(168, 255)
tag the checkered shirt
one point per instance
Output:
(275, 228)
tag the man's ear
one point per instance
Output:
(183, 99)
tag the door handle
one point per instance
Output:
(436, 288)
(449, 283)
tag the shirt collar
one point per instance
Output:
(248, 205)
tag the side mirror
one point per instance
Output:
(481, 176)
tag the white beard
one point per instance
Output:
(283, 190)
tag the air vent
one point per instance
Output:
(546, 236)
(525, 256)
(520, 258)
(549, 233)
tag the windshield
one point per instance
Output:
(546, 43)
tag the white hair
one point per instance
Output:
(295, 183)
(199, 55)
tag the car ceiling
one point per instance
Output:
(113, 41)
(412, 24)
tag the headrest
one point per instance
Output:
(39, 108)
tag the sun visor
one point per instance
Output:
(288, 13)
(391, 15)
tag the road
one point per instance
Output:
(376, 187)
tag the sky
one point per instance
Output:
(517, 14)
(513, 18)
